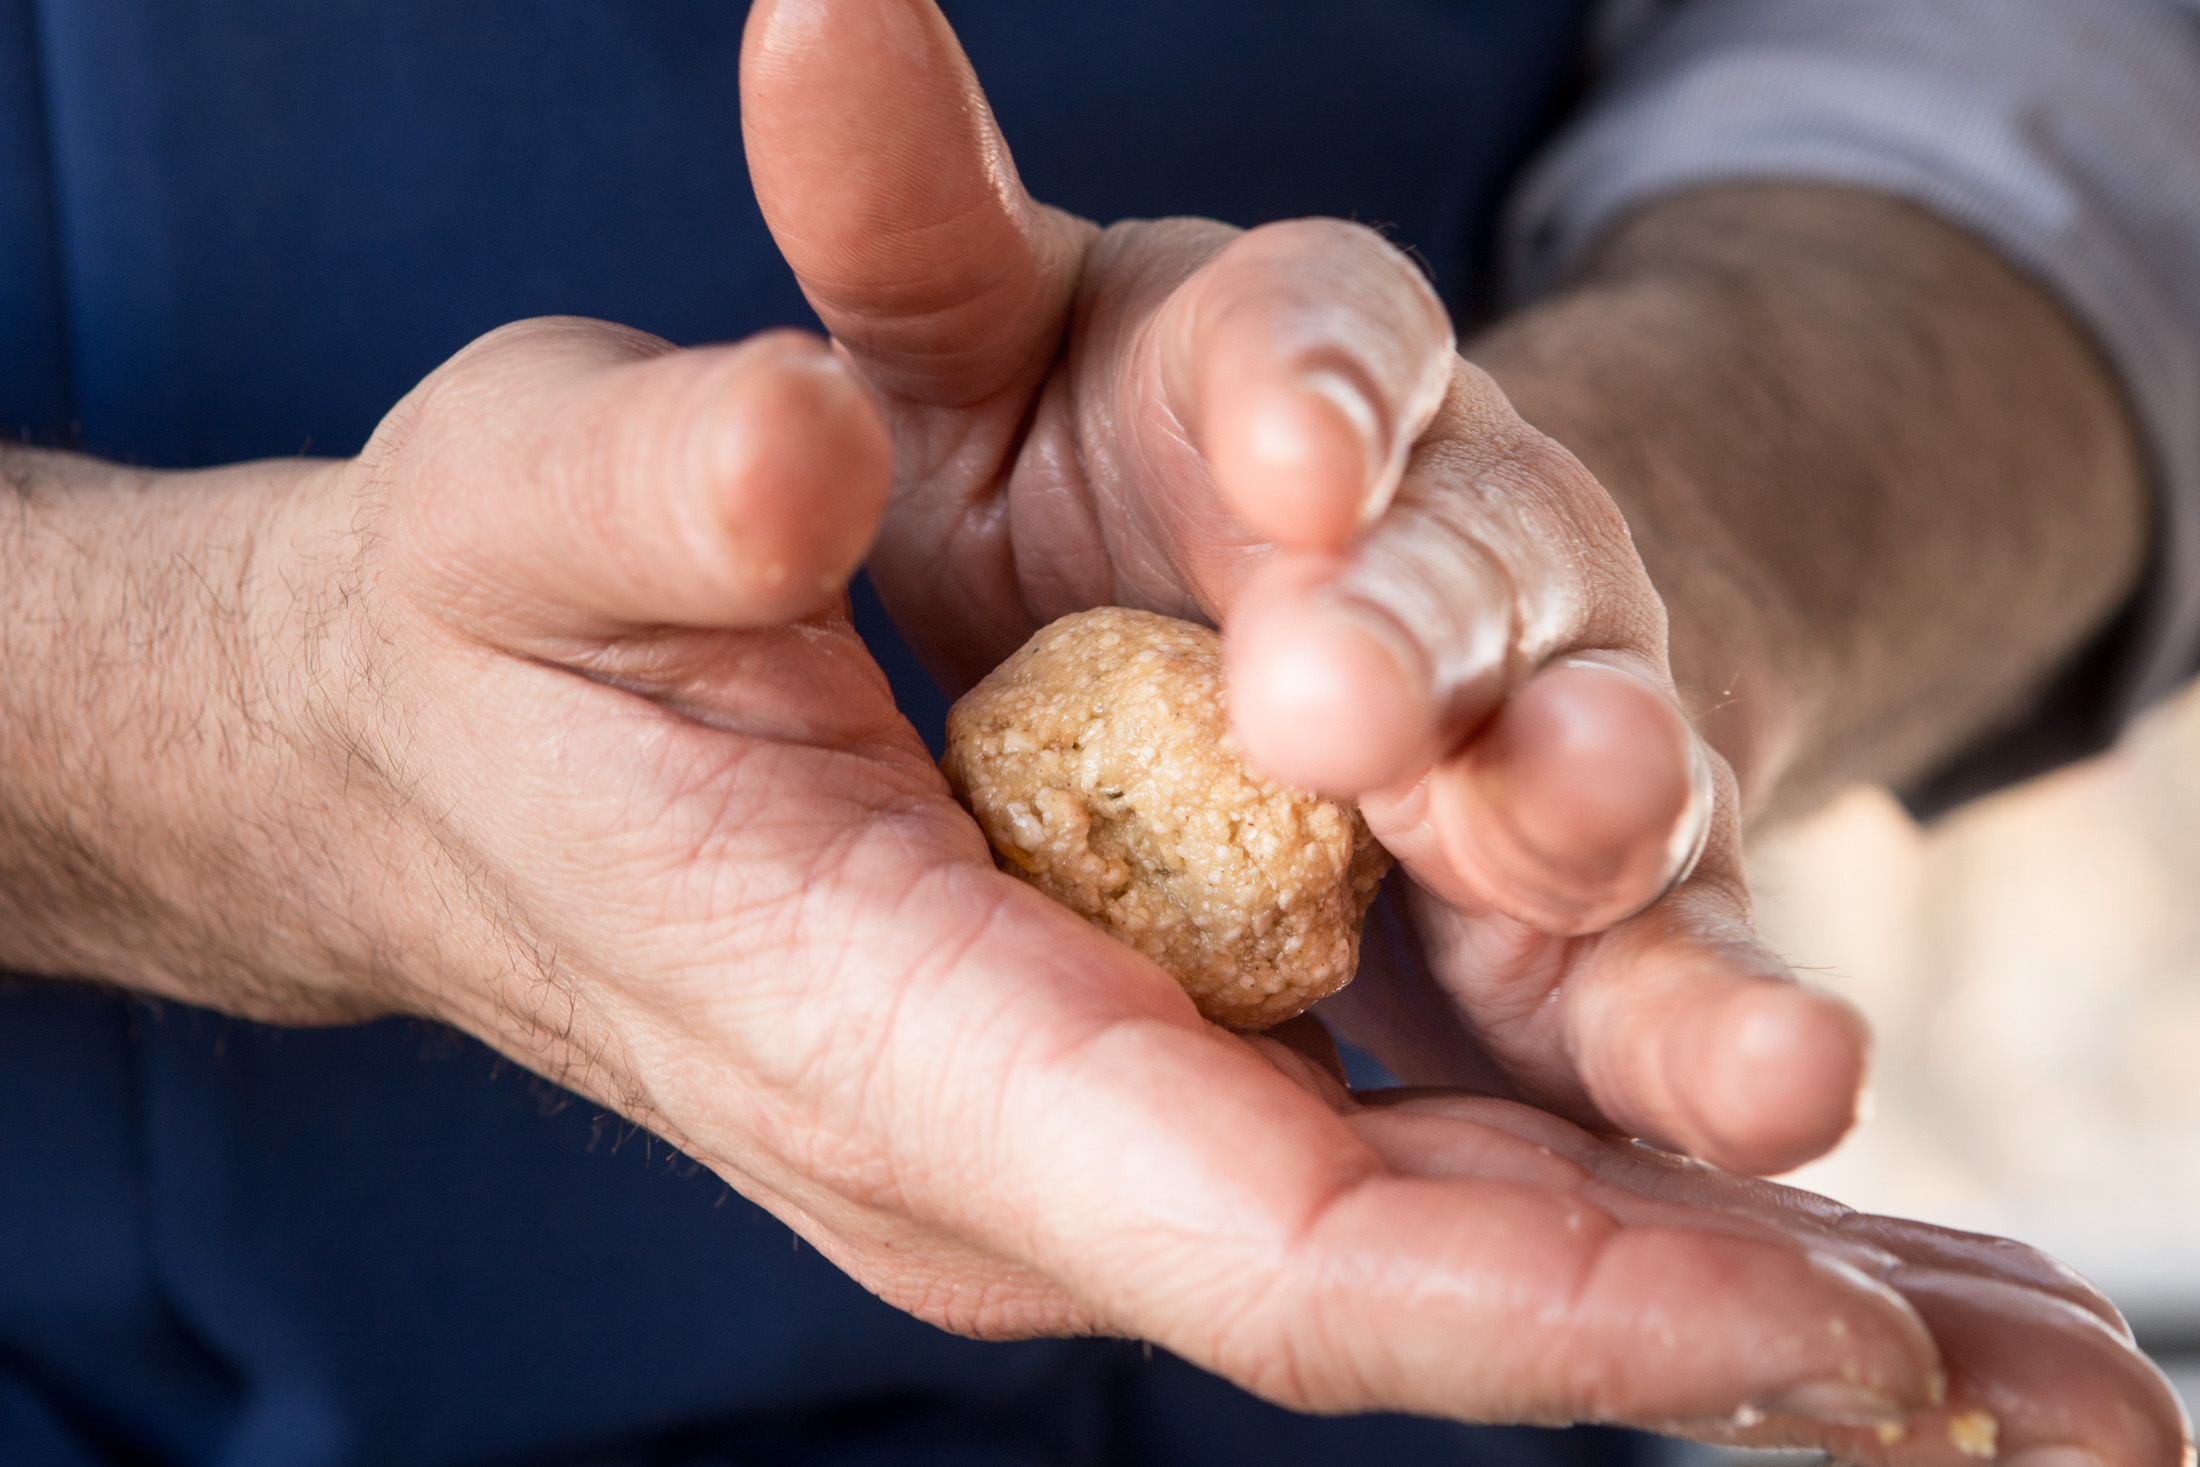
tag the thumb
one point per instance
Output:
(568, 478)
(891, 192)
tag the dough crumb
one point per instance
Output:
(1099, 762)
(1974, 1433)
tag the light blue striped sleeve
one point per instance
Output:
(2065, 133)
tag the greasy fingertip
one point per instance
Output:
(1323, 695)
(1773, 1072)
(2035, 1378)
(1580, 801)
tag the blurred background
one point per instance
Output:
(2031, 965)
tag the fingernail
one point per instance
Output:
(1832, 1403)
(2052, 1456)
(1342, 393)
(1691, 832)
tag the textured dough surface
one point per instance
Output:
(1099, 762)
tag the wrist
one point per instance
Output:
(1883, 484)
(1750, 668)
(151, 737)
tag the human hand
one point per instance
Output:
(2039, 1367)
(538, 718)
(1427, 605)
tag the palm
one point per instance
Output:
(777, 940)
(1086, 417)
(656, 829)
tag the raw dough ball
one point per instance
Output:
(1100, 763)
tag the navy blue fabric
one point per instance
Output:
(275, 218)
(34, 366)
(232, 228)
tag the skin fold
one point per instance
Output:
(543, 718)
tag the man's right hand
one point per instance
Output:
(540, 718)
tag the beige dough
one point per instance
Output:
(1100, 763)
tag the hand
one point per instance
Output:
(525, 721)
(1427, 605)
(538, 718)
(2018, 1331)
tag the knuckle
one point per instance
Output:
(580, 338)
(1333, 260)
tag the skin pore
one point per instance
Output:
(538, 719)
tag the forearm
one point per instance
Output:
(142, 716)
(1883, 483)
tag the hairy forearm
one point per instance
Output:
(1884, 485)
(141, 715)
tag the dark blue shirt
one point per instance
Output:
(233, 228)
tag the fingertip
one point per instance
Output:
(613, 482)
(1305, 360)
(1324, 695)
(797, 469)
(1581, 800)
(893, 196)
(1775, 1072)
